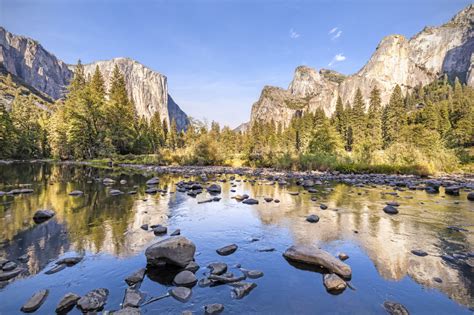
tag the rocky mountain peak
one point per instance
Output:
(306, 81)
(465, 16)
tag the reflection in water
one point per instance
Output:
(100, 223)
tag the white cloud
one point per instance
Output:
(332, 30)
(337, 58)
(294, 34)
(338, 34)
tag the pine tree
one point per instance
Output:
(7, 134)
(173, 135)
(394, 117)
(338, 120)
(358, 118)
(374, 122)
(157, 138)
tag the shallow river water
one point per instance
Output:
(106, 229)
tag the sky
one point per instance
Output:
(218, 54)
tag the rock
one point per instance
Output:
(307, 183)
(241, 289)
(323, 206)
(192, 266)
(394, 308)
(212, 309)
(253, 274)
(115, 192)
(24, 258)
(452, 190)
(144, 227)
(176, 250)
(470, 196)
(128, 311)
(390, 210)
(9, 266)
(70, 261)
(181, 294)
(214, 189)
(136, 277)
(160, 230)
(226, 278)
(187, 312)
(437, 279)
(268, 199)
(276, 201)
(43, 215)
(132, 192)
(334, 283)
(250, 201)
(67, 303)
(343, 256)
(318, 257)
(7, 275)
(35, 301)
(294, 193)
(392, 203)
(55, 269)
(108, 181)
(151, 190)
(312, 218)
(93, 301)
(123, 182)
(76, 193)
(133, 298)
(153, 181)
(266, 249)
(217, 268)
(419, 252)
(176, 232)
(204, 282)
(227, 250)
(185, 278)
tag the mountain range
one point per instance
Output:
(433, 52)
(32, 65)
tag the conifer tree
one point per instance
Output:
(7, 134)
(374, 122)
(394, 118)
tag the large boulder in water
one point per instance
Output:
(176, 250)
(318, 257)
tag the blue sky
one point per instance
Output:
(219, 54)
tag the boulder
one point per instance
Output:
(43, 215)
(241, 289)
(470, 196)
(227, 250)
(35, 301)
(214, 189)
(67, 303)
(217, 268)
(176, 250)
(334, 283)
(212, 309)
(452, 190)
(390, 210)
(185, 278)
(312, 218)
(133, 298)
(318, 257)
(136, 277)
(181, 294)
(394, 308)
(93, 301)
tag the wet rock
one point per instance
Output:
(212, 309)
(323, 206)
(242, 289)
(334, 283)
(294, 193)
(253, 274)
(35, 301)
(204, 282)
(312, 218)
(55, 269)
(67, 303)
(144, 227)
(70, 261)
(7, 275)
(470, 196)
(392, 203)
(419, 252)
(115, 192)
(452, 190)
(136, 277)
(318, 257)
(250, 201)
(216, 199)
(276, 201)
(266, 249)
(394, 308)
(153, 181)
(185, 278)
(9, 266)
(176, 250)
(192, 266)
(437, 279)
(217, 268)
(390, 210)
(128, 311)
(226, 278)
(457, 229)
(133, 298)
(268, 199)
(343, 256)
(76, 193)
(132, 192)
(24, 258)
(176, 232)
(205, 201)
(227, 250)
(151, 190)
(108, 181)
(181, 294)
(43, 215)
(160, 229)
(93, 301)
(187, 312)
(214, 189)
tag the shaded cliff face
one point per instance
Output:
(448, 49)
(27, 60)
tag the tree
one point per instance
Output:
(7, 134)
(374, 121)
(394, 117)
(326, 140)
(338, 117)
(358, 118)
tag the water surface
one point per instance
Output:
(106, 229)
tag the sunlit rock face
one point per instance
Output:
(29, 61)
(447, 49)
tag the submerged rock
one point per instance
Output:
(318, 257)
(136, 277)
(212, 309)
(176, 250)
(70, 261)
(226, 278)
(43, 215)
(241, 289)
(390, 210)
(55, 269)
(452, 190)
(181, 294)
(192, 266)
(217, 268)
(35, 301)
(227, 250)
(394, 308)
(67, 303)
(93, 301)
(334, 283)
(128, 311)
(133, 298)
(250, 201)
(115, 192)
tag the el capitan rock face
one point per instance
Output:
(447, 49)
(26, 59)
